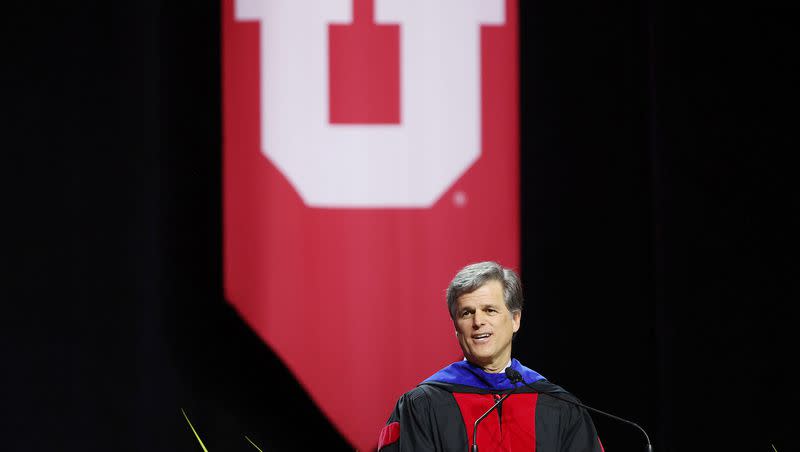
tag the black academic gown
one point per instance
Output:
(438, 415)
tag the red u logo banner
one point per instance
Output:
(370, 151)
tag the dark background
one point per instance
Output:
(659, 207)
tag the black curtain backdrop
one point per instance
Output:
(659, 204)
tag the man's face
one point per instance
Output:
(485, 326)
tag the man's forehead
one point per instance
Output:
(490, 292)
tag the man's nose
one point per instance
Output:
(478, 320)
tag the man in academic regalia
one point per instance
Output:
(485, 303)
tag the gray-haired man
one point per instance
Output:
(485, 304)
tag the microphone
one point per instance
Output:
(516, 377)
(509, 374)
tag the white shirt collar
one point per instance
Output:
(507, 365)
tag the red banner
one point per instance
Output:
(370, 151)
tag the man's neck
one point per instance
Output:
(494, 368)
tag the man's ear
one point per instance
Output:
(516, 317)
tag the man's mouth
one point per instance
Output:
(481, 337)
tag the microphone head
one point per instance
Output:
(513, 375)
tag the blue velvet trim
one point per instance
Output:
(464, 373)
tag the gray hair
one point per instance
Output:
(473, 276)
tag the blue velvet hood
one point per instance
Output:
(466, 374)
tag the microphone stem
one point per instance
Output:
(475, 427)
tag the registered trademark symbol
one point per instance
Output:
(460, 198)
